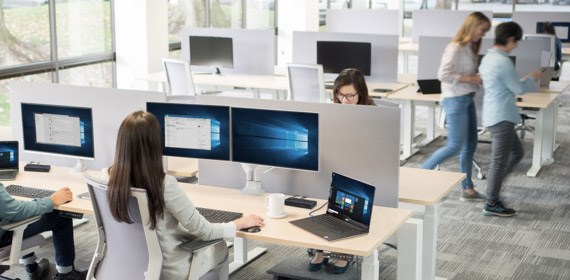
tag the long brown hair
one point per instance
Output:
(354, 77)
(464, 34)
(138, 164)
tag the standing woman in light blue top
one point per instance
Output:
(459, 83)
(500, 113)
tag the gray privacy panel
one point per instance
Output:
(361, 142)
(528, 56)
(528, 20)
(384, 64)
(109, 108)
(304, 84)
(438, 22)
(253, 50)
(363, 21)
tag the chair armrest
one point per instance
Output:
(12, 226)
(196, 245)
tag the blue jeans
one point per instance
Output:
(62, 229)
(461, 124)
(506, 152)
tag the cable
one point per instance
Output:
(311, 213)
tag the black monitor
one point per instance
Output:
(195, 131)
(55, 129)
(211, 51)
(562, 30)
(336, 56)
(276, 138)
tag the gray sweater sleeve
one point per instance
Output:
(12, 210)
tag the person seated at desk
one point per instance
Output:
(500, 112)
(138, 163)
(349, 88)
(459, 84)
(12, 210)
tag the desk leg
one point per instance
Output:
(430, 125)
(408, 121)
(256, 93)
(549, 130)
(410, 250)
(538, 144)
(370, 266)
(429, 242)
(242, 256)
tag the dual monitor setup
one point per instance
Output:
(257, 138)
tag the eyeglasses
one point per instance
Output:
(341, 96)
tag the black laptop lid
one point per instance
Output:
(351, 200)
(429, 86)
(9, 155)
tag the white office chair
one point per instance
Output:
(179, 77)
(132, 251)
(10, 254)
(306, 83)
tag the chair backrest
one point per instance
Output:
(549, 45)
(306, 82)
(124, 251)
(179, 77)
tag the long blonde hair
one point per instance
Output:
(464, 34)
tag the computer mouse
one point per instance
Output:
(252, 229)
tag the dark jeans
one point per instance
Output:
(62, 229)
(506, 152)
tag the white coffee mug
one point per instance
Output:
(275, 204)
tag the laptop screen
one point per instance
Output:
(351, 199)
(9, 154)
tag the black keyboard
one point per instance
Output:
(28, 192)
(332, 223)
(219, 216)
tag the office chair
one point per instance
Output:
(10, 254)
(132, 251)
(179, 77)
(306, 83)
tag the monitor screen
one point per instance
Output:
(195, 131)
(276, 138)
(337, 56)
(9, 155)
(211, 51)
(55, 129)
(562, 30)
(351, 198)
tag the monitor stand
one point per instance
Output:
(79, 166)
(253, 174)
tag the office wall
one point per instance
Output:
(385, 22)
(253, 50)
(361, 142)
(294, 15)
(384, 65)
(109, 108)
(528, 20)
(444, 23)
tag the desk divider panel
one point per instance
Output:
(441, 22)
(253, 50)
(384, 64)
(361, 142)
(109, 108)
(364, 21)
(528, 21)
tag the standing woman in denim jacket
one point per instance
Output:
(459, 83)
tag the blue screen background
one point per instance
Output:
(8, 154)
(357, 188)
(276, 138)
(85, 121)
(220, 125)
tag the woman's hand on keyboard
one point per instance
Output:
(61, 196)
(248, 221)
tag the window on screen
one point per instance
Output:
(59, 130)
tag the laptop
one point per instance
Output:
(349, 210)
(9, 160)
(429, 86)
(547, 75)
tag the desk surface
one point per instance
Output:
(555, 87)
(536, 100)
(426, 187)
(566, 51)
(411, 93)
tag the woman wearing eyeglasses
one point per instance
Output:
(349, 88)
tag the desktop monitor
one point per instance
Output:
(61, 130)
(195, 131)
(276, 138)
(211, 51)
(562, 30)
(336, 56)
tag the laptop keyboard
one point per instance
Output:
(332, 223)
(8, 174)
(219, 216)
(28, 192)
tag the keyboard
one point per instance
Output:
(218, 216)
(332, 223)
(8, 174)
(29, 192)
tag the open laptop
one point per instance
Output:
(547, 74)
(349, 210)
(8, 160)
(429, 86)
